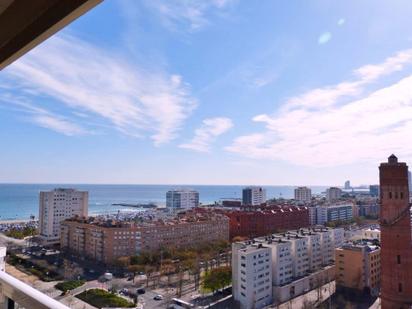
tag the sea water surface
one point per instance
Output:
(20, 201)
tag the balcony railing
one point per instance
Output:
(13, 291)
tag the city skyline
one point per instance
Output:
(219, 92)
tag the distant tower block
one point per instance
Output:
(396, 250)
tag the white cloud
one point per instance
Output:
(326, 96)
(328, 131)
(205, 135)
(324, 38)
(193, 13)
(95, 82)
(56, 124)
(341, 22)
(42, 117)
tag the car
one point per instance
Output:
(158, 297)
(141, 291)
(124, 291)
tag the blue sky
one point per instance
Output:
(213, 92)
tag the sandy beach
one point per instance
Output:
(16, 221)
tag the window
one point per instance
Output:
(390, 194)
(400, 288)
(399, 259)
(401, 195)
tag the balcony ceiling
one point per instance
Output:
(26, 23)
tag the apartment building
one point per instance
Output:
(368, 208)
(333, 194)
(266, 220)
(358, 267)
(299, 259)
(313, 218)
(334, 212)
(374, 190)
(371, 234)
(103, 241)
(303, 194)
(190, 229)
(253, 277)
(58, 205)
(106, 241)
(253, 196)
(315, 252)
(282, 261)
(182, 199)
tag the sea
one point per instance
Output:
(20, 201)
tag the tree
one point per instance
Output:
(167, 269)
(135, 269)
(239, 238)
(123, 261)
(149, 272)
(217, 278)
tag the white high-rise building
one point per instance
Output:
(347, 185)
(303, 194)
(56, 206)
(281, 258)
(253, 196)
(252, 275)
(333, 194)
(182, 198)
(300, 255)
(314, 250)
(294, 258)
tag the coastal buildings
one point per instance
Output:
(279, 267)
(263, 221)
(253, 276)
(334, 212)
(253, 196)
(347, 185)
(358, 267)
(303, 194)
(333, 194)
(374, 190)
(182, 199)
(395, 223)
(368, 207)
(371, 234)
(56, 206)
(313, 219)
(410, 182)
(106, 241)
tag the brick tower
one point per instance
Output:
(396, 250)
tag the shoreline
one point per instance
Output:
(17, 221)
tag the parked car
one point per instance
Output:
(141, 291)
(158, 297)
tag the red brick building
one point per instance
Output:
(396, 247)
(266, 220)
